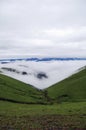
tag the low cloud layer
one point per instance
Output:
(41, 74)
(43, 28)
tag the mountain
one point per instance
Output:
(3, 61)
(72, 88)
(55, 114)
(15, 91)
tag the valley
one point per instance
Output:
(61, 106)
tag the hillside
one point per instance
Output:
(16, 91)
(28, 111)
(70, 89)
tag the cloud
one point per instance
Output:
(48, 27)
(55, 71)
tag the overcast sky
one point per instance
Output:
(43, 27)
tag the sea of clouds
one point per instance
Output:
(41, 74)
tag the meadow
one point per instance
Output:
(64, 116)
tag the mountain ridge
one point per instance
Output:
(3, 61)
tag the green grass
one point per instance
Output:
(15, 109)
(67, 116)
(14, 90)
(71, 89)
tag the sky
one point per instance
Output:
(43, 28)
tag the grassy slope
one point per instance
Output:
(15, 90)
(70, 89)
(67, 115)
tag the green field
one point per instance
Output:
(60, 107)
(71, 89)
(25, 117)
(16, 91)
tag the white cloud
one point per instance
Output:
(48, 27)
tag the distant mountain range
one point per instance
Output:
(3, 61)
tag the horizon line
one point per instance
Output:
(43, 59)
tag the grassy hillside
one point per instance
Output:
(70, 89)
(32, 115)
(16, 91)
